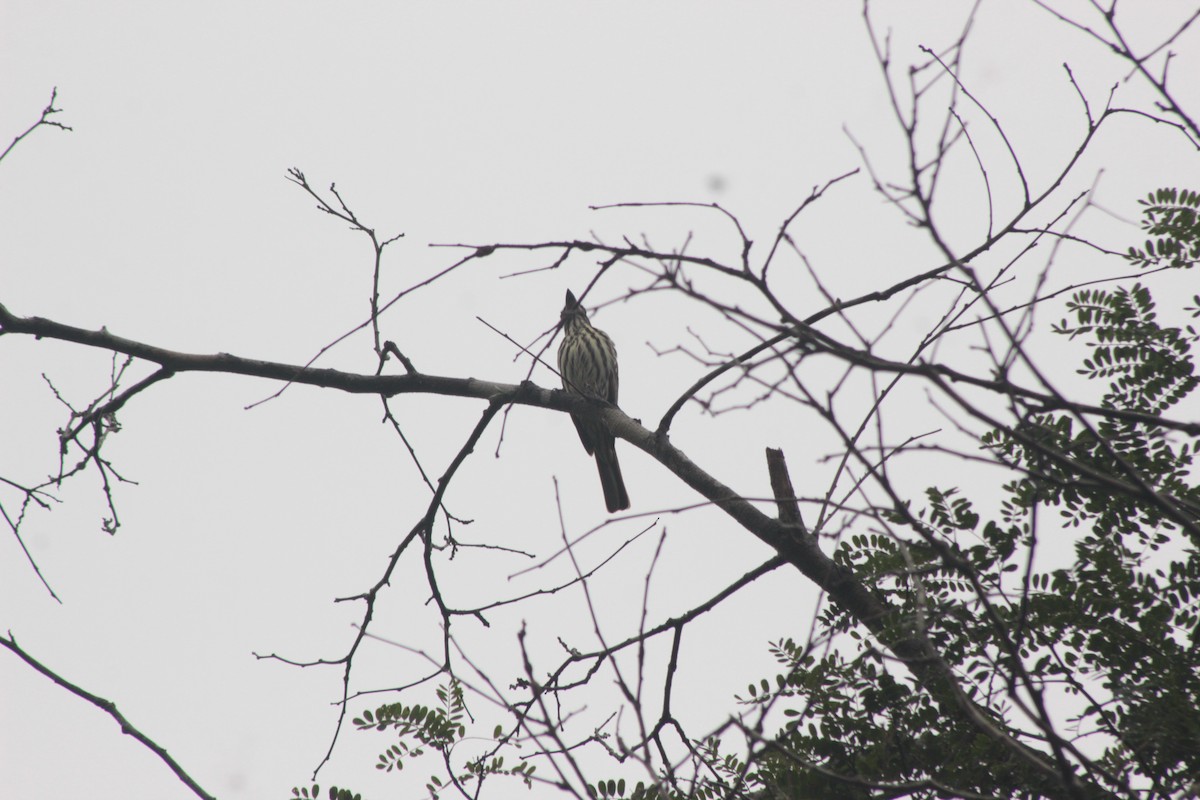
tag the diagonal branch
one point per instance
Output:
(109, 708)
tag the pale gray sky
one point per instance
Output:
(165, 216)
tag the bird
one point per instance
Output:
(587, 362)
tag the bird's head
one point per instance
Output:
(572, 309)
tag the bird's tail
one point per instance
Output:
(615, 496)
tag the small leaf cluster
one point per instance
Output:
(617, 790)
(314, 793)
(419, 728)
(1170, 216)
(1148, 365)
(437, 728)
(486, 766)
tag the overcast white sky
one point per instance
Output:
(165, 216)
